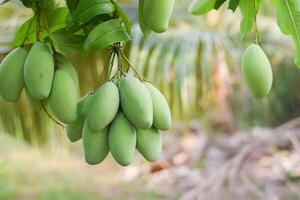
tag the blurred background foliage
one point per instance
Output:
(195, 64)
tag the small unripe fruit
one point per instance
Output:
(12, 74)
(83, 105)
(257, 71)
(157, 14)
(39, 71)
(103, 107)
(65, 64)
(149, 143)
(122, 139)
(63, 97)
(95, 145)
(136, 102)
(161, 112)
(74, 130)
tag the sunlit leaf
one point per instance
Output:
(200, 7)
(121, 13)
(68, 42)
(88, 9)
(233, 4)
(249, 9)
(288, 18)
(106, 34)
(219, 3)
(25, 32)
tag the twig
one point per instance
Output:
(48, 114)
(128, 62)
(256, 35)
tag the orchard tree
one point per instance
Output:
(126, 112)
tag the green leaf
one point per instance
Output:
(3, 1)
(72, 5)
(145, 29)
(68, 42)
(248, 11)
(121, 13)
(219, 3)
(88, 9)
(56, 19)
(27, 28)
(233, 4)
(27, 3)
(106, 34)
(200, 7)
(288, 18)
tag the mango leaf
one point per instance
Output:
(88, 9)
(27, 3)
(3, 1)
(288, 18)
(219, 3)
(233, 4)
(106, 34)
(121, 13)
(145, 29)
(72, 5)
(67, 42)
(248, 11)
(26, 31)
(56, 19)
(200, 7)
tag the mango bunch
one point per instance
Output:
(257, 71)
(48, 82)
(121, 117)
(156, 14)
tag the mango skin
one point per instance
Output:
(157, 14)
(74, 130)
(161, 112)
(83, 105)
(39, 71)
(200, 7)
(12, 74)
(95, 144)
(149, 143)
(104, 106)
(122, 140)
(257, 71)
(136, 102)
(35, 104)
(63, 97)
(65, 64)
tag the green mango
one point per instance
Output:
(12, 74)
(83, 105)
(136, 102)
(200, 7)
(95, 144)
(104, 106)
(65, 64)
(74, 130)
(35, 104)
(161, 112)
(149, 143)
(257, 71)
(39, 71)
(63, 97)
(157, 14)
(122, 139)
